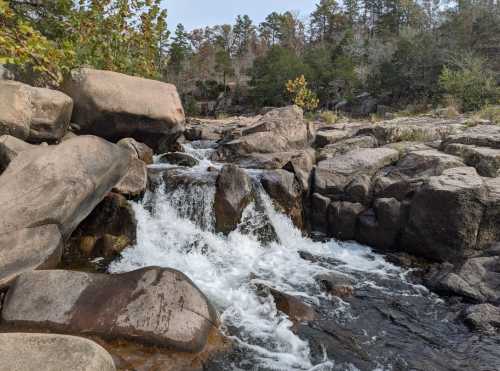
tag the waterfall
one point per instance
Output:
(176, 230)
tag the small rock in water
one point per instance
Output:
(336, 284)
(178, 158)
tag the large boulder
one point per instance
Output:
(333, 175)
(445, 215)
(10, 147)
(59, 184)
(29, 249)
(115, 106)
(480, 135)
(233, 194)
(279, 130)
(51, 352)
(152, 305)
(33, 114)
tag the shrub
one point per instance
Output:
(470, 83)
(301, 95)
(328, 117)
(491, 113)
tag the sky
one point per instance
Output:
(200, 13)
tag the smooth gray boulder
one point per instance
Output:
(445, 215)
(153, 306)
(59, 184)
(115, 106)
(29, 249)
(33, 114)
(178, 158)
(343, 219)
(346, 145)
(333, 175)
(51, 352)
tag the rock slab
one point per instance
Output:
(50, 352)
(152, 305)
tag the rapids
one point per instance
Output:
(389, 324)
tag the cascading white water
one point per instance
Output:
(176, 230)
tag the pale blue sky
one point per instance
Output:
(200, 13)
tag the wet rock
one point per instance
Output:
(326, 137)
(283, 188)
(10, 147)
(336, 284)
(135, 181)
(152, 306)
(319, 212)
(33, 114)
(115, 106)
(292, 306)
(342, 219)
(139, 150)
(336, 342)
(483, 317)
(346, 145)
(334, 174)
(475, 279)
(280, 130)
(59, 184)
(51, 352)
(485, 160)
(233, 194)
(178, 158)
(29, 249)
(445, 215)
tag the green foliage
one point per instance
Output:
(301, 95)
(270, 74)
(470, 83)
(127, 36)
(21, 44)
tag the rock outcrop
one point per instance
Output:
(279, 130)
(152, 306)
(51, 352)
(10, 147)
(115, 106)
(33, 114)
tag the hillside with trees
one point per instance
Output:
(400, 53)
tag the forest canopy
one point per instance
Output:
(400, 51)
